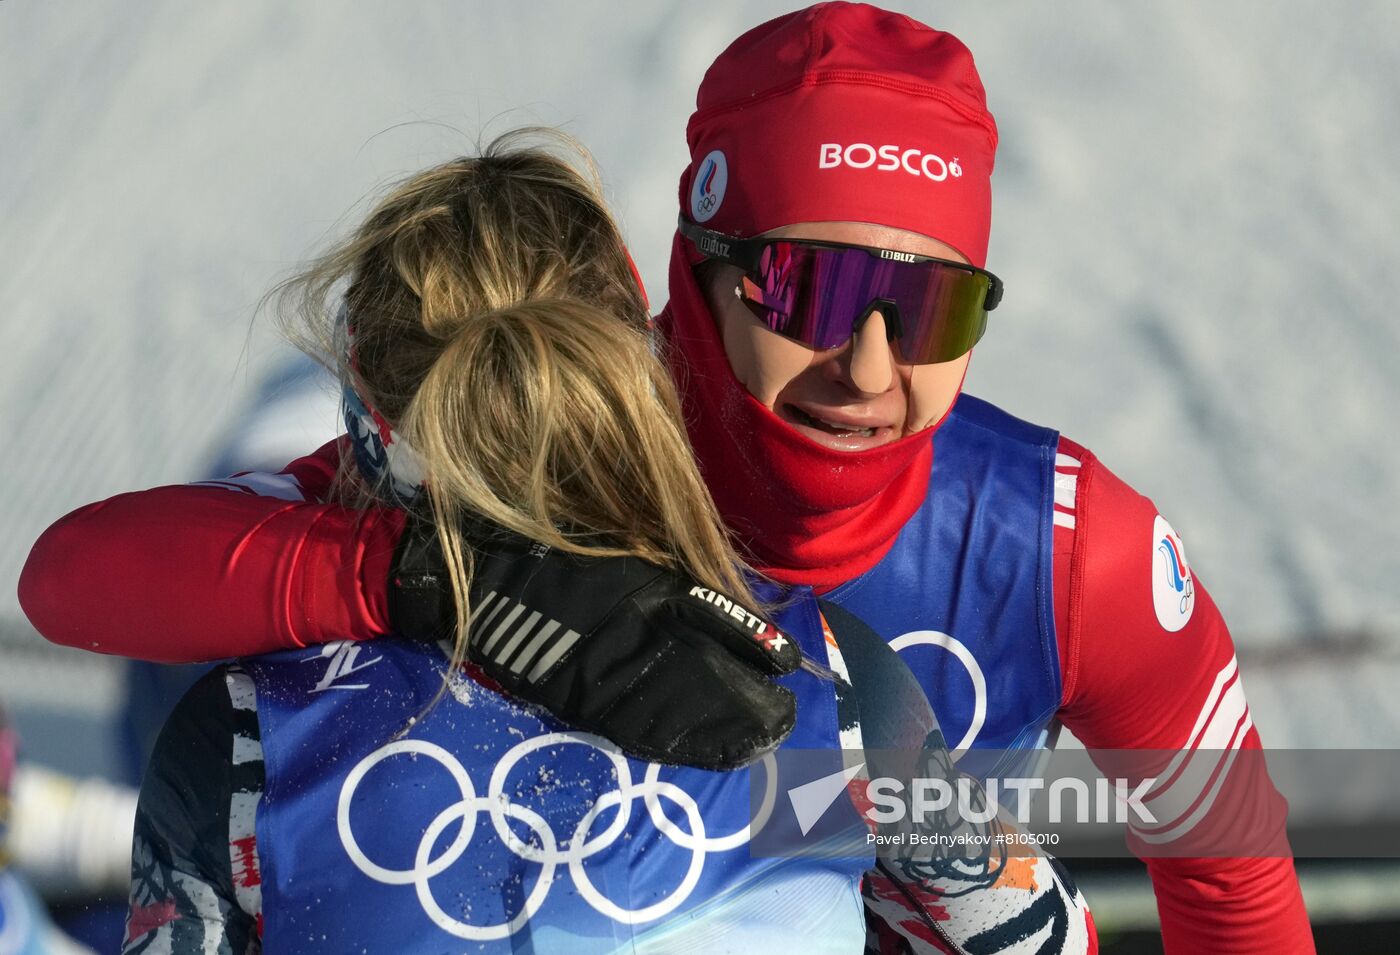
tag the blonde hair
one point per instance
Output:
(499, 326)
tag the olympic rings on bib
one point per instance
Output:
(550, 853)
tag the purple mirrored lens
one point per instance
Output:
(817, 295)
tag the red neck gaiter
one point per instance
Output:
(801, 513)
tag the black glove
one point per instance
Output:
(644, 657)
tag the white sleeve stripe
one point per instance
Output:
(1157, 837)
(281, 486)
(1226, 674)
(1065, 461)
(1064, 520)
(1197, 771)
(1174, 799)
(1213, 734)
(1168, 776)
(1220, 730)
(1065, 485)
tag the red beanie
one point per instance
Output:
(843, 112)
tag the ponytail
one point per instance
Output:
(498, 326)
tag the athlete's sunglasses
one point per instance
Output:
(821, 293)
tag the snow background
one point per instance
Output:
(1195, 215)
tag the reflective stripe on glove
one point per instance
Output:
(662, 667)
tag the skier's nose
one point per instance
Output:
(870, 359)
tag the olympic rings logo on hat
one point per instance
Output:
(548, 853)
(707, 190)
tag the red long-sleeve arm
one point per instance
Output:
(1148, 664)
(247, 565)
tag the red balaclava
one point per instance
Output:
(840, 112)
